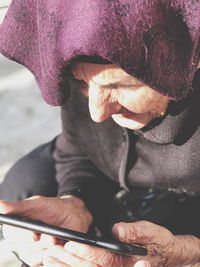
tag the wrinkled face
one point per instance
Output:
(114, 93)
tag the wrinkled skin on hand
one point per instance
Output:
(69, 212)
(59, 257)
(164, 249)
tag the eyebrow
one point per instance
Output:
(125, 83)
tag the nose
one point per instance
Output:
(96, 103)
(101, 106)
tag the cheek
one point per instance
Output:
(160, 104)
(143, 100)
(134, 100)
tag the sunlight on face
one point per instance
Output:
(114, 93)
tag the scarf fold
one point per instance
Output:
(158, 42)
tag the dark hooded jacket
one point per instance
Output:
(165, 155)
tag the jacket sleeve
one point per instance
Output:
(76, 173)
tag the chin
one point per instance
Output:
(129, 123)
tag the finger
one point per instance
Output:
(50, 262)
(23, 207)
(23, 242)
(12, 233)
(7, 207)
(34, 253)
(31, 257)
(60, 253)
(31, 253)
(45, 242)
(48, 240)
(142, 264)
(96, 255)
(18, 237)
(141, 232)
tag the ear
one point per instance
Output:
(198, 65)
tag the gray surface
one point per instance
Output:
(25, 119)
(3, 8)
(25, 122)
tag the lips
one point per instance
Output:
(124, 112)
(128, 114)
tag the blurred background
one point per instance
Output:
(26, 121)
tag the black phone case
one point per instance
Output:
(65, 234)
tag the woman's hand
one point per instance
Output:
(164, 249)
(69, 212)
(59, 257)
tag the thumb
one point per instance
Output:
(141, 232)
(24, 207)
(142, 264)
(10, 207)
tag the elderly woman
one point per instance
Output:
(127, 162)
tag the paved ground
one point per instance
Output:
(25, 122)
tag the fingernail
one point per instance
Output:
(120, 232)
(142, 264)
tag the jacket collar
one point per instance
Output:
(177, 125)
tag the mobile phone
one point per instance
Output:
(66, 234)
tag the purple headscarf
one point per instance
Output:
(156, 41)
